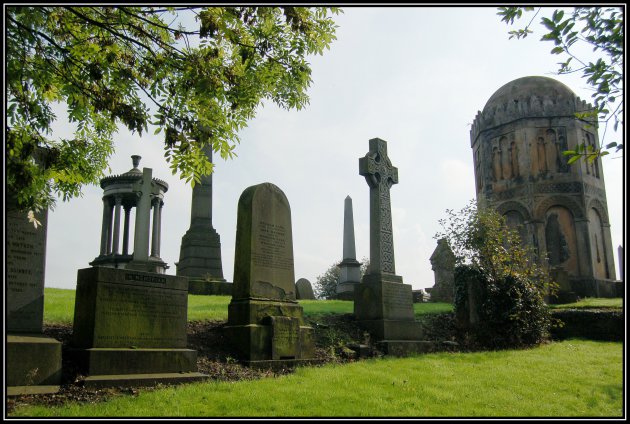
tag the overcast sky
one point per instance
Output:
(412, 76)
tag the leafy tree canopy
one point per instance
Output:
(602, 28)
(197, 84)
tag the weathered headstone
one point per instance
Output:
(200, 252)
(304, 290)
(130, 328)
(443, 265)
(564, 293)
(349, 268)
(265, 323)
(382, 303)
(33, 361)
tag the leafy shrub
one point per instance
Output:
(499, 288)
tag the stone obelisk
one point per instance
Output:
(349, 268)
(200, 253)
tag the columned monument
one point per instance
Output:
(200, 252)
(559, 208)
(133, 189)
(349, 268)
(130, 317)
(382, 303)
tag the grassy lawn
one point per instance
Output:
(574, 378)
(592, 302)
(59, 307)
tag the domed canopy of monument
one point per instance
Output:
(530, 97)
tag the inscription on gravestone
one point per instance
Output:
(273, 251)
(285, 337)
(26, 261)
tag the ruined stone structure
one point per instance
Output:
(517, 142)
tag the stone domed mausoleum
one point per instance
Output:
(517, 142)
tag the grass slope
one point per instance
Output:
(573, 378)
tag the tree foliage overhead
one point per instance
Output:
(602, 28)
(197, 74)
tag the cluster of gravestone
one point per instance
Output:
(130, 316)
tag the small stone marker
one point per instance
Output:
(304, 290)
(349, 268)
(265, 323)
(382, 303)
(443, 265)
(33, 361)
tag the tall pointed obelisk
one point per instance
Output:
(200, 252)
(349, 268)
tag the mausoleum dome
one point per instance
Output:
(528, 97)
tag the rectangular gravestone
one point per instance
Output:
(33, 360)
(265, 323)
(130, 328)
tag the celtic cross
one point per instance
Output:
(380, 176)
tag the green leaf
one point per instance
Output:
(573, 159)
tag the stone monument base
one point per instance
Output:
(205, 287)
(107, 367)
(345, 291)
(383, 305)
(33, 364)
(265, 330)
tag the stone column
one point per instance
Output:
(110, 232)
(159, 243)
(125, 249)
(104, 227)
(143, 210)
(155, 237)
(116, 241)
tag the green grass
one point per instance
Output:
(592, 302)
(59, 307)
(574, 378)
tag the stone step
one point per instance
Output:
(141, 380)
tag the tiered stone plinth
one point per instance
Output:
(383, 305)
(130, 328)
(270, 333)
